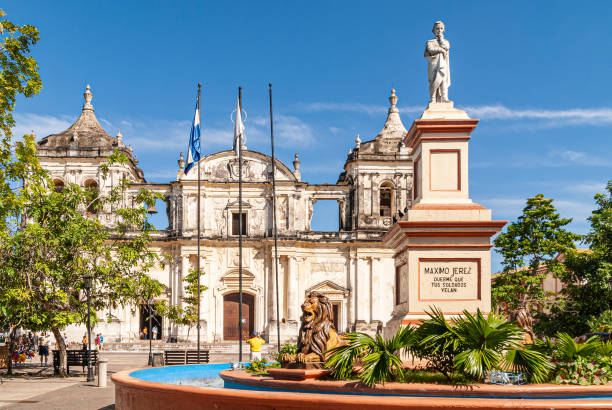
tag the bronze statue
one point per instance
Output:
(317, 333)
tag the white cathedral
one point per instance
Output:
(409, 236)
(351, 266)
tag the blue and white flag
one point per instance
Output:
(193, 150)
(238, 129)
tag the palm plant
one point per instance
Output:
(604, 349)
(378, 356)
(530, 360)
(482, 341)
(566, 349)
(436, 343)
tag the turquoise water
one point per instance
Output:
(207, 375)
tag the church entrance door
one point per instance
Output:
(231, 316)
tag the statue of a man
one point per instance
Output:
(438, 67)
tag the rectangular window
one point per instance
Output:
(236, 223)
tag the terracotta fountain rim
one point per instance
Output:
(419, 389)
(136, 394)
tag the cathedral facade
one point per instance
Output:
(351, 266)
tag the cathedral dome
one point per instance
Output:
(86, 138)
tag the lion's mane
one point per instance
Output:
(313, 335)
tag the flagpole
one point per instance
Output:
(239, 230)
(198, 262)
(274, 221)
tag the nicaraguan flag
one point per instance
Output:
(238, 129)
(193, 150)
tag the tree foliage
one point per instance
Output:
(18, 77)
(529, 247)
(187, 313)
(56, 244)
(586, 293)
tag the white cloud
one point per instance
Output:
(601, 115)
(569, 157)
(586, 187)
(551, 118)
(42, 125)
(369, 109)
(149, 135)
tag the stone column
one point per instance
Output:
(351, 311)
(377, 294)
(271, 287)
(362, 292)
(292, 297)
(184, 272)
(204, 296)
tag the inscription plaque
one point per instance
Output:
(449, 279)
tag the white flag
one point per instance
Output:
(238, 129)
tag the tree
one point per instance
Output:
(18, 76)
(529, 247)
(186, 315)
(586, 293)
(58, 244)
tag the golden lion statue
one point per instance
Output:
(317, 332)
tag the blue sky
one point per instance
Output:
(537, 75)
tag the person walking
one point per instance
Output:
(155, 331)
(101, 341)
(43, 348)
(255, 342)
(98, 342)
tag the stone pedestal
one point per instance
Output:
(442, 245)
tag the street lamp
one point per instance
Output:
(150, 333)
(87, 286)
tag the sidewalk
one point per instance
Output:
(54, 393)
(25, 391)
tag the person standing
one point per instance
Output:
(97, 341)
(155, 331)
(43, 348)
(101, 341)
(255, 342)
(144, 332)
(84, 341)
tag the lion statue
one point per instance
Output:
(317, 332)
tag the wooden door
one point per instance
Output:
(231, 316)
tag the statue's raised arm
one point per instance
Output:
(438, 64)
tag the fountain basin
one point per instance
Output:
(166, 388)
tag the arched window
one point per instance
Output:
(386, 199)
(58, 185)
(91, 187)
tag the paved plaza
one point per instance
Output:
(29, 389)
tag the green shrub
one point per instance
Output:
(584, 371)
(601, 323)
(260, 366)
(287, 348)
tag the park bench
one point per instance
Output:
(174, 357)
(74, 358)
